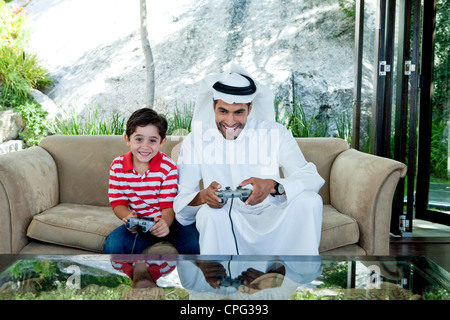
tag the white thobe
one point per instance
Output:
(298, 272)
(280, 225)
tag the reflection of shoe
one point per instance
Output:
(145, 294)
(266, 281)
(269, 280)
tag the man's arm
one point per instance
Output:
(207, 196)
(299, 175)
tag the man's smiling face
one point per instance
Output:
(231, 118)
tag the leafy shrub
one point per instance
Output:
(19, 71)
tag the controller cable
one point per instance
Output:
(232, 228)
(134, 242)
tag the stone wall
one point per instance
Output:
(11, 125)
(300, 49)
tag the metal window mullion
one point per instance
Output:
(379, 81)
(359, 40)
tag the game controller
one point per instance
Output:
(144, 223)
(240, 192)
(229, 282)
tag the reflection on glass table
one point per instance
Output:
(171, 277)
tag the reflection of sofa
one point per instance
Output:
(53, 198)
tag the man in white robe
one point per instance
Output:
(241, 279)
(235, 142)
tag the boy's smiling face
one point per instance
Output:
(144, 143)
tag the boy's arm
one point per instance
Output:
(117, 198)
(168, 215)
(123, 212)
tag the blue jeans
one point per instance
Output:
(121, 241)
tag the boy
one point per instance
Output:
(143, 183)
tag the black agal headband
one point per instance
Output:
(238, 91)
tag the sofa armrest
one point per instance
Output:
(363, 186)
(28, 186)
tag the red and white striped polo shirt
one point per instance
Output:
(147, 194)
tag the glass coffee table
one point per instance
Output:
(196, 277)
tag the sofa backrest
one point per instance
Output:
(83, 162)
(322, 152)
(83, 165)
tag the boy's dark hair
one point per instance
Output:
(145, 116)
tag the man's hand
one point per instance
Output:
(208, 196)
(211, 271)
(261, 189)
(247, 277)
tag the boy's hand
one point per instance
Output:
(160, 229)
(132, 214)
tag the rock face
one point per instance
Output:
(47, 104)
(11, 146)
(302, 49)
(11, 125)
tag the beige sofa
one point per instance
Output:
(53, 198)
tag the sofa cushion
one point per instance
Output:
(337, 229)
(74, 225)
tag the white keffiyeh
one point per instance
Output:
(262, 98)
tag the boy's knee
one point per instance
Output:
(108, 246)
(187, 239)
(114, 242)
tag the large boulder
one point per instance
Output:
(11, 124)
(301, 49)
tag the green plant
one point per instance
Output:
(93, 124)
(278, 106)
(12, 26)
(36, 125)
(343, 121)
(45, 280)
(302, 126)
(439, 149)
(298, 124)
(180, 121)
(441, 93)
(334, 275)
(19, 71)
(348, 7)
